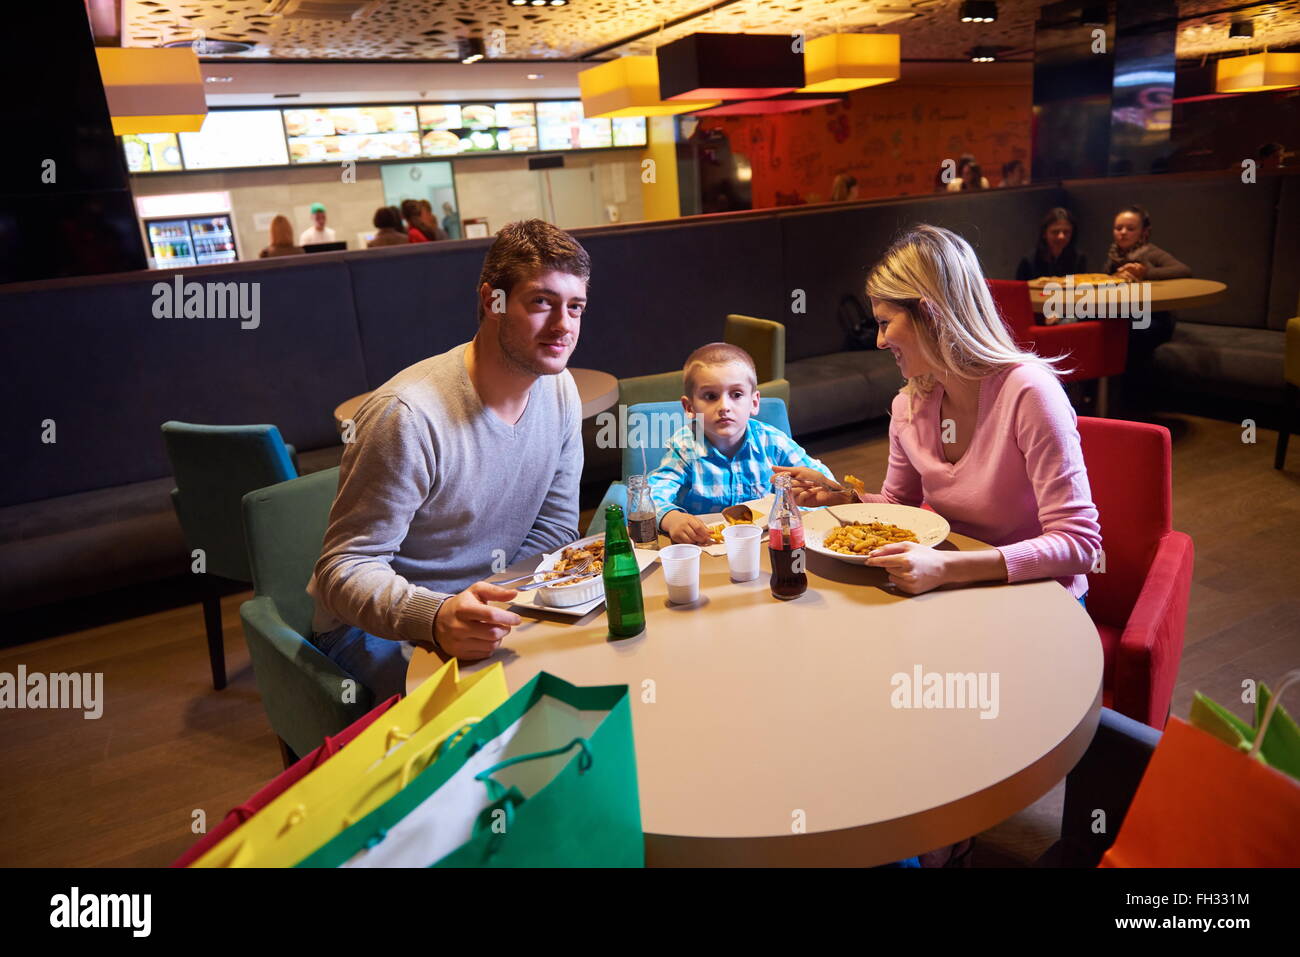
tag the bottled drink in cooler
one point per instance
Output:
(785, 543)
(642, 525)
(624, 606)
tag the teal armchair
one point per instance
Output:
(214, 466)
(306, 695)
(653, 424)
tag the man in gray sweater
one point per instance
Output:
(461, 464)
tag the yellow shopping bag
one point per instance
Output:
(369, 771)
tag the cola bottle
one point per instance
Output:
(785, 543)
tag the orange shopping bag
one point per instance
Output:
(1202, 803)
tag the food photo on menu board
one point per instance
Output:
(561, 126)
(336, 149)
(451, 128)
(152, 152)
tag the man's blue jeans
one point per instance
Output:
(378, 663)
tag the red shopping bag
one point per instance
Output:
(236, 817)
(1203, 803)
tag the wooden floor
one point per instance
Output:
(122, 790)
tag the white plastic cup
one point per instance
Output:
(742, 542)
(681, 572)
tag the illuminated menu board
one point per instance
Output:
(337, 133)
(448, 129)
(296, 136)
(233, 138)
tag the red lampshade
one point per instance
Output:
(728, 66)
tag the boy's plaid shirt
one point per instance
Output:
(701, 480)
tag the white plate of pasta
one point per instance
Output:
(876, 525)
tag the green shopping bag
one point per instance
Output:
(1280, 748)
(548, 779)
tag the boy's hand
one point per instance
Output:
(685, 529)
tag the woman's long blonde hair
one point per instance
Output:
(933, 274)
(281, 231)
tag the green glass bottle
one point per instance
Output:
(624, 606)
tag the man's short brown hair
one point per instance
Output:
(716, 354)
(529, 248)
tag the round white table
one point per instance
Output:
(767, 732)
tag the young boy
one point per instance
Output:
(733, 463)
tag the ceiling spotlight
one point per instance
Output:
(1242, 30)
(983, 54)
(558, 3)
(533, 76)
(518, 3)
(539, 3)
(978, 11)
(472, 49)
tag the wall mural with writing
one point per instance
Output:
(891, 140)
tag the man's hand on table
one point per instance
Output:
(470, 629)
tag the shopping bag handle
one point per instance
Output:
(507, 799)
(496, 790)
(1288, 679)
(446, 740)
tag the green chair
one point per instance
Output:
(306, 695)
(656, 423)
(214, 466)
(1291, 406)
(763, 339)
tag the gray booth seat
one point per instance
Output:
(93, 359)
(1246, 235)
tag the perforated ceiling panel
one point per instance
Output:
(429, 29)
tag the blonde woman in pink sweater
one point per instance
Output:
(981, 432)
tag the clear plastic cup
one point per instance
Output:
(681, 572)
(743, 542)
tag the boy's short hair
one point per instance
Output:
(716, 354)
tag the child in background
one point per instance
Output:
(733, 464)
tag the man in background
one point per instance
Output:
(319, 232)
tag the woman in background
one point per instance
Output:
(844, 188)
(1057, 253)
(1014, 174)
(281, 240)
(414, 216)
(969, 175)
(428, 223)
(1133, 256)
(388, 223)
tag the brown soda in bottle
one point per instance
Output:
(785, 543)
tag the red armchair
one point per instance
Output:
(1139, 601)
(1096, 349)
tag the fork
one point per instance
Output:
(842, 522)
(573, 572)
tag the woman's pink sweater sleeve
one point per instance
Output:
(1047, 435)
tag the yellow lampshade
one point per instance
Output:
(840, 62)
(1260, 71)
(152, 90)
(629, 86)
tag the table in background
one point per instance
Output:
(598, 391)
(765, 711)
(1166, 294)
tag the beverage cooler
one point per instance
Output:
(191, 241)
